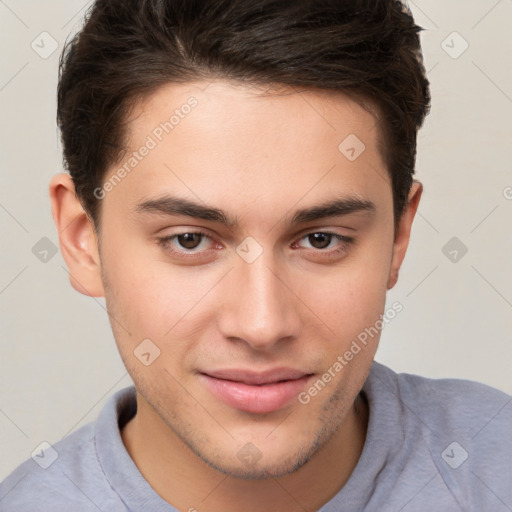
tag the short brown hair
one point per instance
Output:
(369, 49)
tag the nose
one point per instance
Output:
(260, 307)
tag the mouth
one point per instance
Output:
(256, 392)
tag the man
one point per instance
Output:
(241, 193)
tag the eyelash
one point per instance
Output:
(166, 241)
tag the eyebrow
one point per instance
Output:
(170, 205)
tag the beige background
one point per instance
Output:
(58, 360)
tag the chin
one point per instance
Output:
(262, 466)
(258, 471)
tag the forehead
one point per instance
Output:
(244, 144)
(227, 106)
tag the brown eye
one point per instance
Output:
(189, 240)
(325, 245)
(187, 244)
(320, 240)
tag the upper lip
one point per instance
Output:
(257, 378)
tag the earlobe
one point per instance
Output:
(77, 237)
(403, 233)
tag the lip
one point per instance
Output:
(256, 392)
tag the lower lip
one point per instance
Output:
(256, 399)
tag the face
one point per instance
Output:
(250, 296)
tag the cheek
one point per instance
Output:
(134, 293)
(351, 296)
(153, 298)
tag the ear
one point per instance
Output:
(404, 232)
(77, 237)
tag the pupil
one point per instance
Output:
(187, 240)
(317, 237)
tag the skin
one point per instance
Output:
(259, 157)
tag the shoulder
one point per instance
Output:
(457, 404)
(47, 476)
(464, 426)
(64, 476)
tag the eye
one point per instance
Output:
(321, 240)
(189, 240)
(184, 243)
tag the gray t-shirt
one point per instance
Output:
(432, 445)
